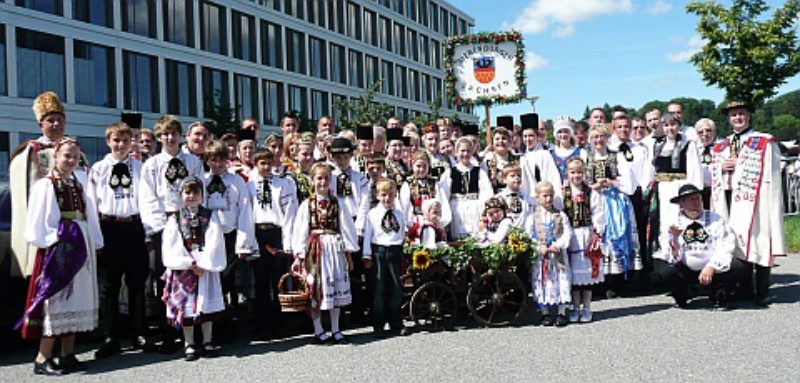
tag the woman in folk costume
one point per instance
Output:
(707, 136)
(551, 272)
(501, 154)
(324, 238)
(746, 189)
(469, 187)
(620, 244)
(420, 187)
(564, 148)
(62, 299)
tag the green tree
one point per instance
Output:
(785, 127)
(746, 54)
(363, 110)
(220, 116)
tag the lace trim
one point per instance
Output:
(70, 321)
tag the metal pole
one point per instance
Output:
(488, 126)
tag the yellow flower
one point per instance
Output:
(421, 259)
(516, 244)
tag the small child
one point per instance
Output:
(431, 233)
(520, 206)
(469, 188)
(193, 252)
(384, 232)
(551, 272)
(323, 239)
(494, 226)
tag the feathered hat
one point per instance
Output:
(45, 104)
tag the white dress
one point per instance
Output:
(551, 279)
(74, 309)
(466, 208)
(407, 205)
(581, 266)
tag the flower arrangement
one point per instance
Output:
(421, 259)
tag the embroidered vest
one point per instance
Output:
(419, 192)
(495, 173)
(193, 228)
(69, 195)
(675, 162)
(578, 207)
(324, 213)
(464, 182)
(599, 169)
(547, 233)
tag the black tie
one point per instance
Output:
(626, 151)
(389, 222)
(216, 185)
(176, 170)
(120, 176)
(343, 186)
(266, 193)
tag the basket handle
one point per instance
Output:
(282, 284)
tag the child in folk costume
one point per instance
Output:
(430, 234)
(551, 272)
(376, 171)
(62, 295)
(564, 148)
(440, 163)
(301, 152)
(500, 157)
(364, 135)
(194, 254)
(323, 239)
(469, 188)
(245, 148)
(494, 227)
(520, 206)
(396, 169)
(584, 208)
(421, 186)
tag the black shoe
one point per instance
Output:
(547, 320)
(339, 338)
(141, 343)
(322, 339)
(190, 353)
(561, 320)
(210, 350)
(720, 301)
(168, 347)
(379, 333)
(406, 331)
(764, 302)
(70, 363)
(108, 348)
(48, 368)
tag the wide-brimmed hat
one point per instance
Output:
(737, 104)
(685, 191)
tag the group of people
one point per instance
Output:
(604, 201)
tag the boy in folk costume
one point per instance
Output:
(520, 206)
(376, 171)
(384, 232)
(431, 233)
(160, 196)
(274, 203)
(419, 187)
(551, 272)
(746, 189)
(62, 295)
(396, 169)
(114, 186)
(193, 251)
(469, 188)
(364, 135)
(537, 165)
(500, 157)
(324, 239)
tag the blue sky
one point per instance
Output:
(587, 52)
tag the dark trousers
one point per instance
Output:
(360, 287)
(168, 333)
(678, 278)
(387, 293)
(640, 212)
(267, 271)
(124, 254)
(762, 280)
(228, 276)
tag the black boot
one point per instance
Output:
(70, 363)
(110, 347)
(762, 286)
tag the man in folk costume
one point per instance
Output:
(364, 135)
(396, 169)
(746, 189)
(538, 165)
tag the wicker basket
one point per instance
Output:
(297, 300)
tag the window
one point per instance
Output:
(411, 9)
(98, 12)
(354, 21)
(3, 82)
(55, 7)
(373, 69)
(271, 43)
(338, 65)
(94, 148)
(399, 6)
(337, 115)
(400, 82)
(413, 79)
(319, 104)
(40, 63)
(271, 4)
(385, 30)
(244, 36)
(356, 66)
(425, 50)
(316, 12)
(215, 88)
(453, 24)
(462, 26)
(402, 113)
(433, 16)
(437, 90)
(317, 58)
(181, 88)
(445, 28)
(370, 28)
(273, 102)
(413, 45)
(140, 82)
(95, 69)
(213, 37)
(297, 99)
(246, 96)
(423, 12)
(399, 39)
(336, 15)
(436, 54)
(425, 89)
(295, 51)
(178, 23)
(139, 17)
(387, 77)
(295, 8)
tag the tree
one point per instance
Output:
(221, 116)
(786, 126)
(363, 109)
(745, 56)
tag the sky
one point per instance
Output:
(588, 52)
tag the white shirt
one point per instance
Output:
(357, 203)
(158, 196)
(120, 201)
(716, 250)
(518, 219)
(639, 169)
(232, 209)
(282, 208)
(374, 233)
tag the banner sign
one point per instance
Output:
(486, 68)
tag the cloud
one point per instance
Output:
(561, 16)
(692, 46)
(659, 7)
(534, 61)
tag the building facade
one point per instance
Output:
(262, 57)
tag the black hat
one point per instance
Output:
(133, 120)
(394, 134)
(737, 104)
(506, 122)
(529, 121)
(341, 145)
(245, 134)
(406, 141)
(685, 190)
(364, 132)
(469, 129)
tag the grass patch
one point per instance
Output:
(792, 232)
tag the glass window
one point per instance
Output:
(462, 26)
(411, 9)
(295, 51)
(181, 88)
(399, 6)
(437, 89)
(336, 15)
(298, 100)
(3, 82)
(317, 58)
(98, 12)
(373, 69)
(139, 17)
(453, 24)
(271, 43)
(94, 148)
(425, 50)
(271, 4)
(445, 27)
(319, 104)
(213, 37)
(95, 75)
(413, 45)
(436, 53)
(273, 102)
(337, 115)
(354, 21)
(387, 77)
(55, 7)
(370, 28)
(244, 36)
(316, 12)
(140, 82)
(433, 16)
(399, 39)
(40, 63)
(356, 66)
(423, 12)
(338, 71)
(246, 97)
(178, 24)
(413, 80)
(215, 88)
(425, 89)
(295, 8)
(400, 82)
(385, 30)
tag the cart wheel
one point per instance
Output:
(434, 306)
(496, 300)
(407, 288)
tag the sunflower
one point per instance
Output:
(421, 259)
(516, 244)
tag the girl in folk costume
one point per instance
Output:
(396, 169)
(586, 214)
(551, 272)
(323, 239)
(564, 148)
(302, 153)
(494, 226)
(440, 164)
(469, 188)
(707, 136)
(500, 157)
(520, 206)
(746, 189)
(620, 244)
(430, 234)
(62, 296)
(193, 252)
(420, 187)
